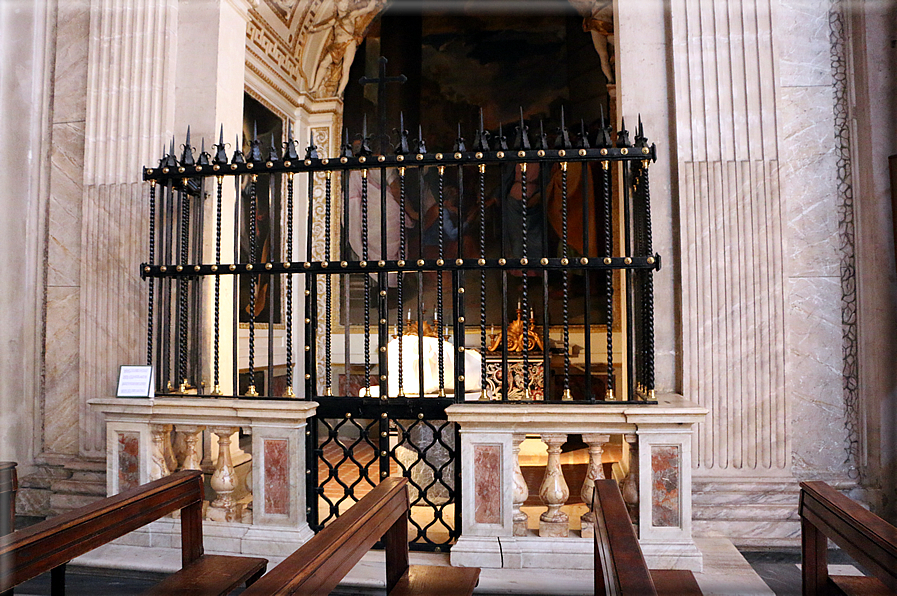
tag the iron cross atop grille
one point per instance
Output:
(381, 82)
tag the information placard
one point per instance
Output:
(136, 381)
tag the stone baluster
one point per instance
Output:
(159, 467)
(224, 479)
(595, 472)
(520, 489)
(554, 492)
(629, 486)
(192, 446)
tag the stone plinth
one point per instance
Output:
(133, 457)
(491, 432)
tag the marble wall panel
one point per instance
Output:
(810, 211)
(60, 435)
(66, 194)
(128, 460)
(487, 484)
(807, 120)
(665, 505)
(277, 476)
(813, 340)
(70, 84)
(802, 39)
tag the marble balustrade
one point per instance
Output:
(496, 530)
(259, 512)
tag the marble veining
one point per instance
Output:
(128, 460)
(487, 483)
(277, 476)
(665, 509)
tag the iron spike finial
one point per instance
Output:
(289, 149)
(164, 158)
(604, 133)
(502, 139)
(640, 140)
(421, 144)
(311, 152)
(623, 135)
(272, 151)
(365, 139)
(459, 142)
(481, 141)
(562, 141)
(522, 140)
(238, 157)
(346, 148)
(220, 152)
(255, 151)
(203, 156)
(541, 140)
(583, 136)
(172, 160)
(402, 147)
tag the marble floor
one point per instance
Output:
(727, 571)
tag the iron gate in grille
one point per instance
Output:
(410, 347)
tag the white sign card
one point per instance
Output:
(136, 381)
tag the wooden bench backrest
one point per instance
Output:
(40, 548)
(620, 567)
(319, 565)
(870, 540)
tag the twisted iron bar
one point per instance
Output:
(609, 290)
(439, 262)
(367, 284)
(649, 288)
(216, 390)
(565, 260)
(401, 281)
(482, 192)
(253, 232)
(182, 290)
(525, 282)
(327, 287)
(289, 390)
(152, 280)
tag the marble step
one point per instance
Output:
(725, 498)
(753, 533)
(746, 512)
(80, 487)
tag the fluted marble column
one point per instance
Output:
(554, 492)
(595, 472)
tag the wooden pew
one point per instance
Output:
(49, 545)
(321, 563)
(872, 542)
(620, 567)
(9, 485)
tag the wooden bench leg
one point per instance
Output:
(256, 577)
(814, 560)
(57, 581)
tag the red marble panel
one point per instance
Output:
(277, 476)
(665, 486)
(128, 460)
(487, 484)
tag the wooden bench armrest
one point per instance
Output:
(869, 540)
(39, 548)
(319, 565)
(620, 566)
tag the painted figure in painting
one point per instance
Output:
(598, 21)
(347, 26)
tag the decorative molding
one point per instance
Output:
(846, 232)
(730, 211)
(130, 111)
